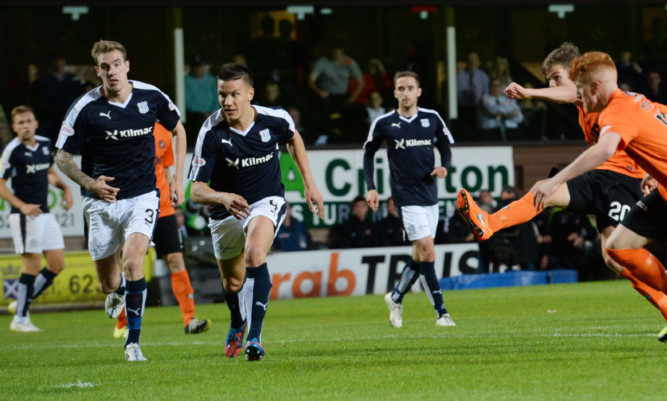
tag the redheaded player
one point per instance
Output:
(629, 122)
(608, 192)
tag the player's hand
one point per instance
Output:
(30, 210)
(441, 172)
(177, 194)
(103, 191)
(236, 205)
(543, 191)
(516, 91)
(648, 184)
(313, 195)
(68, 199)
(373, 200)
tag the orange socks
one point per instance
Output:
(657, 298)
(517, 212)
(121, 320)
(184, 293)
(643, 265)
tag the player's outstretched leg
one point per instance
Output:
(21, 322)
(430, 282)
(259, 289)
(135, 302)
(394, 299)
(237, 310)
(115, 301)
(476, 217)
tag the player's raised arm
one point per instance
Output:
(557, 94)
(297, 150)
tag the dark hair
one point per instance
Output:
(562, 56)
(511, 190)
(401, 74)
(358, 198)
(233, 71)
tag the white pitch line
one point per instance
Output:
(78, 384)
(387, 337)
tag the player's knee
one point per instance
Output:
(254, 255)
(232, 285)
(132, 265)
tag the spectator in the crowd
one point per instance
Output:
(55, 91)
(292, 235)
(629, 71)
(374, 108)
(263, 54)
(5, 133)
(514, 245)
(573, 242)
(358, 231)
(471, 85)
(655, 49)
(655, 91)
(390, 229)
(291, 63)
(453, 229)
(271, 96)
(330, 81)
(501, 71)
(499, 116)
(201, 96)
(375, 79)
(534, 116)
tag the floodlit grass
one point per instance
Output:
(588, 341)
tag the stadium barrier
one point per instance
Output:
(323, 273)
(77, 284)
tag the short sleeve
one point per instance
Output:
(203, 158)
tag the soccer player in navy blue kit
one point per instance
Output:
(28, 162)
(112, 127)
(411, 133)
(235, 169)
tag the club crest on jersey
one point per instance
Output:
(425, 122)
(162, 144)
(45, 150)
(265, 135)
(143, 107)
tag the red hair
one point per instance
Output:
(589, 62)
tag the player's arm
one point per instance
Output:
(370, 148)
(176, 184)
(443, 140)
(588, 160)
(297, 150)
(27, 209)
(201, 193)
(56, 181)
(99, 186)
(557, 94)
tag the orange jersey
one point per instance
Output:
(620, 162)
(642, 125)
(164, 157)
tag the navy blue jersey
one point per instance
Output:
(28, 167)
(410, 144)
(244, 163)
(116, 140)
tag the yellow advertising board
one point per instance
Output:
(76, 284)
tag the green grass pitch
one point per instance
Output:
(587, 341)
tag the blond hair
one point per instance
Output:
(105, 46)
(20, 110)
